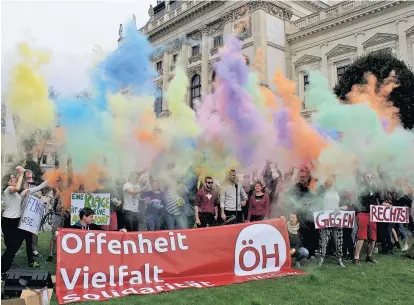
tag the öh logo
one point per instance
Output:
(260, 248)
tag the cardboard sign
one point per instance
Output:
(330, 219)
(153, 262)
(100, 203)
(380, 213)
(32, 215)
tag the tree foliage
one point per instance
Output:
(381, 64)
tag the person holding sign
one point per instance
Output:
(331, 202)
(13, 237)
(367, 230)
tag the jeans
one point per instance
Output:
(131, 220)
(154, 222)
(175, 222)
(302, 253)
(399, 228)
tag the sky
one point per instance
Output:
(69, 30)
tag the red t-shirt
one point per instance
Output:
(259, 206)
(206, 201)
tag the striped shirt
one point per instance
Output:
(173, 202)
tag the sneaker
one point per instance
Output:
(36, 254)
(321, 262)
(34, 265)
(341, 263)
(356, 261)
(397, 245)
(405, 247)
(49, 259)
(369, 259)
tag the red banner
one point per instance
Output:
(394, 214)
(99, 265)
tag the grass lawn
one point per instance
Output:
(389, 282)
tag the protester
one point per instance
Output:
(155, 205)
(131, 191)
(331, 199)
(174, 206)
(367, 230)
(13, 237)
(206, 205)
(85, 221)
(118, 202)
(295, 239)
(232, 198)
(248, 188)
(259, 205)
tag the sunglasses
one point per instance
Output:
(210, 182)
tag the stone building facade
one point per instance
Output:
(294, 36)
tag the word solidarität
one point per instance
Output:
(103, 295)
(330, 219)
(379, 213)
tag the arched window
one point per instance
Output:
(158, 101)
(195, 89)
(247, 60)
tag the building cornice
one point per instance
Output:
(233, 13)
(360, 11)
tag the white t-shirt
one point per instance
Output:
(330, 200)
(12, 204)
(130, 201)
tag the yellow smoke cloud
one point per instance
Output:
(28, 95)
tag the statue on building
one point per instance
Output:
(134, 19)
(151, 11)
(121, 31)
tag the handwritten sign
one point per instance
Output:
(380, 213)
(32, 215)
(331, 218)
(100, 203)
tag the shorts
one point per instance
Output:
(58, 221)
(366, 228)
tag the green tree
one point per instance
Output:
(381, 64)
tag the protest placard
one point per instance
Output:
(331, 218)
(380, 213)
(96, 266)
(32, 215)
(100, 203)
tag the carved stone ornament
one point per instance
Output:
(172, 68)
(194, 58)
(212, 63)
(151, 11)
(213, 51)
(195, 35)
(270, 8)
(216, 27)
(205, 30)
(159, 83)
(241, 11)
(157, 57)
(194, 70)
(174, 49)
(228, 17)
(246, 29)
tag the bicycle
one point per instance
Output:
(46, 223)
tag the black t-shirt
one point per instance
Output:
(157, 205)
(367, 199)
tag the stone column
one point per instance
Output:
(324, 63)
(204, 61)
(360, 39)
(260, 42)
(165, 76)
(402, 39)
(184, 64)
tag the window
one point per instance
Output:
(195, 50)
(44, 159)
(305, 82)
(195, 89)
(218, 41)
(158, 101)
(247, 60)
(340, 71)
(159, 66)
(213, 76)
(9, 159)
(175, 57)
(305, 85)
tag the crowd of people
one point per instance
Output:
(139, 204)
